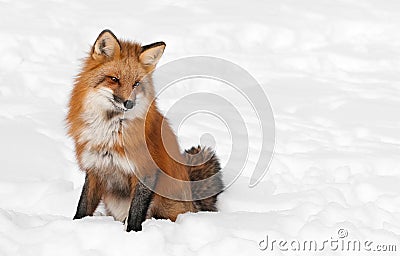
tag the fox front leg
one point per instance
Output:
(140, 204)
(90, 198)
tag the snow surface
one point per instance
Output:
(331, 70)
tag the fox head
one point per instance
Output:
(116, 75)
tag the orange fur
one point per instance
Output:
(88, 121)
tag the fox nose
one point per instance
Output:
(129, 104)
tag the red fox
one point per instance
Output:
(113, 147)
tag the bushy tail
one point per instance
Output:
(202, 164)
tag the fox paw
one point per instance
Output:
(135, 228)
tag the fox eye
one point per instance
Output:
(114, 79)
(136, 84)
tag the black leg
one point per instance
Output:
(88, 200)
(140, 204)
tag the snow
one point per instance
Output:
(331, 70)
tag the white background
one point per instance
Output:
(331, 70)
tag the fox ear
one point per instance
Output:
(106, 45)
(152, 53)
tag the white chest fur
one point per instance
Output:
(100, 136)
(105, 161)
